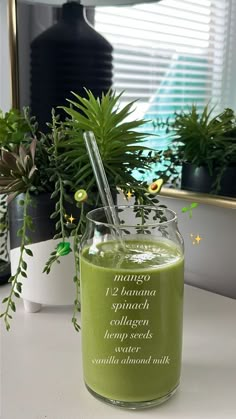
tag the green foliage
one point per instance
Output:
(206, 139)
(15, 128)
(201, 139)
(170, 161)
(56, 161)
(119, 142)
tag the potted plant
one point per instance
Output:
(50, 186)
(205, 146)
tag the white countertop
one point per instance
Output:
(41, 369)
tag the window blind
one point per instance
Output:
(169, 54)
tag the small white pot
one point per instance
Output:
(56, 288)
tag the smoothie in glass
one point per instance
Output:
(132, 305)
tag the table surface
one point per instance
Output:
(41, 368)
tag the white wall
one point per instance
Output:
(5, 91)
(211, 264)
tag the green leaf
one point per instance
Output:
(12, 305)
(24, 265)
(58, 225)
(194, 205)
(28, 251)
(54, 194)
(19, 287)
(4, 300)
(67, 182)
(52, 177)
(54, 215)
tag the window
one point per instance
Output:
(170, 54)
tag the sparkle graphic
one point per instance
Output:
(128, 195)
(198, 239)
(195, 239)
(71, 219)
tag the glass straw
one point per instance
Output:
(102, 183)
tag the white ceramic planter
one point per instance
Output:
(56, 288)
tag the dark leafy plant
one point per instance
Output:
(15, 128)
(57, 162)
(202, 139)
(167, 166)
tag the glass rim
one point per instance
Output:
(130, 225)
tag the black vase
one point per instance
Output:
(198, 179)
(67, 57)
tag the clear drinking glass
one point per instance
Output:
(132, 304)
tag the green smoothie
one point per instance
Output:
(132, 318)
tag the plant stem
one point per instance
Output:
(59, 179)
(77, 281)
(14, 281)
(61, 209)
